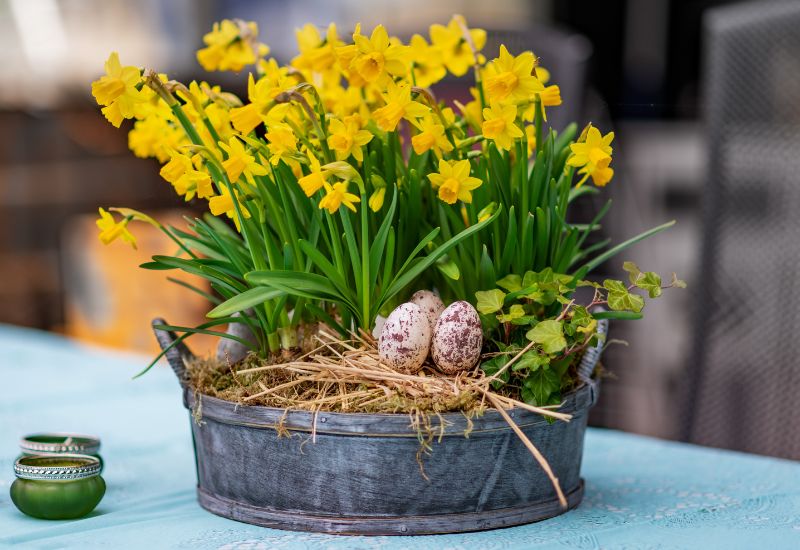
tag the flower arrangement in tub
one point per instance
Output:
(340, 185)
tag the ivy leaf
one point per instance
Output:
(677, 283)
(650, 282)
(542, 386)
(620, 299)
(549, 334)
(510, 282)
(530, 361)
(615, 286)
(490, 301)
(493, 365)
(524, 320)
(581, 322)
(588, 329)
(516, 312)
(633, 271)
(529, 279)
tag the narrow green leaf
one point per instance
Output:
(589, 266)
(378, 248)
(622, 315)
(254, 296)
(405, 278)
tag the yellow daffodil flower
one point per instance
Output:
(194, 183)
(181, 173)
(377, 58)
(427, 66)
(282, 142)
(510, 78)
(117, 92)
(431, 136)
(240, 161)
(155, 136)
(592, 154)
(599, 170)
(223, 204)
(399, 105)
(150, 103)
(111, 230)
(550, 96)
(231, 46)
(592, 144)
(454, 182)
(337, 195)
(317, 54)
(498, 125)
(542, 74)
(177, 166)
(261, 95)
(342, 102)
(457, 53)
(314, 181)
(347, 138)
(376, 199)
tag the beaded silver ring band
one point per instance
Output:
(76, 444)
(37, 468)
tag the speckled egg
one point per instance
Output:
(405, 339)
(457, 338)
(430, 304)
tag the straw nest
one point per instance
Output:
(347, 376)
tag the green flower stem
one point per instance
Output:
(537, 121)
(323, 126)
(273, 341)
(336, 238)
(524, 204)
(366, 322)
(395, 137)
(288, 336)
(301, 135)
(286, 235)
(211, 129)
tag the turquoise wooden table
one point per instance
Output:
(640, 492)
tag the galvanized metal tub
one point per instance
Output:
(349, 473)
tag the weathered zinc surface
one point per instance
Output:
(360, 473)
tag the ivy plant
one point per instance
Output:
(536, 314)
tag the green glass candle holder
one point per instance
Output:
(65, 486)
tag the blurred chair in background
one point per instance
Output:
(110, 301)
(743, 377)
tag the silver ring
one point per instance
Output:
(71, 443)
(51, 467)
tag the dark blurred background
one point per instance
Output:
(639, 68)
